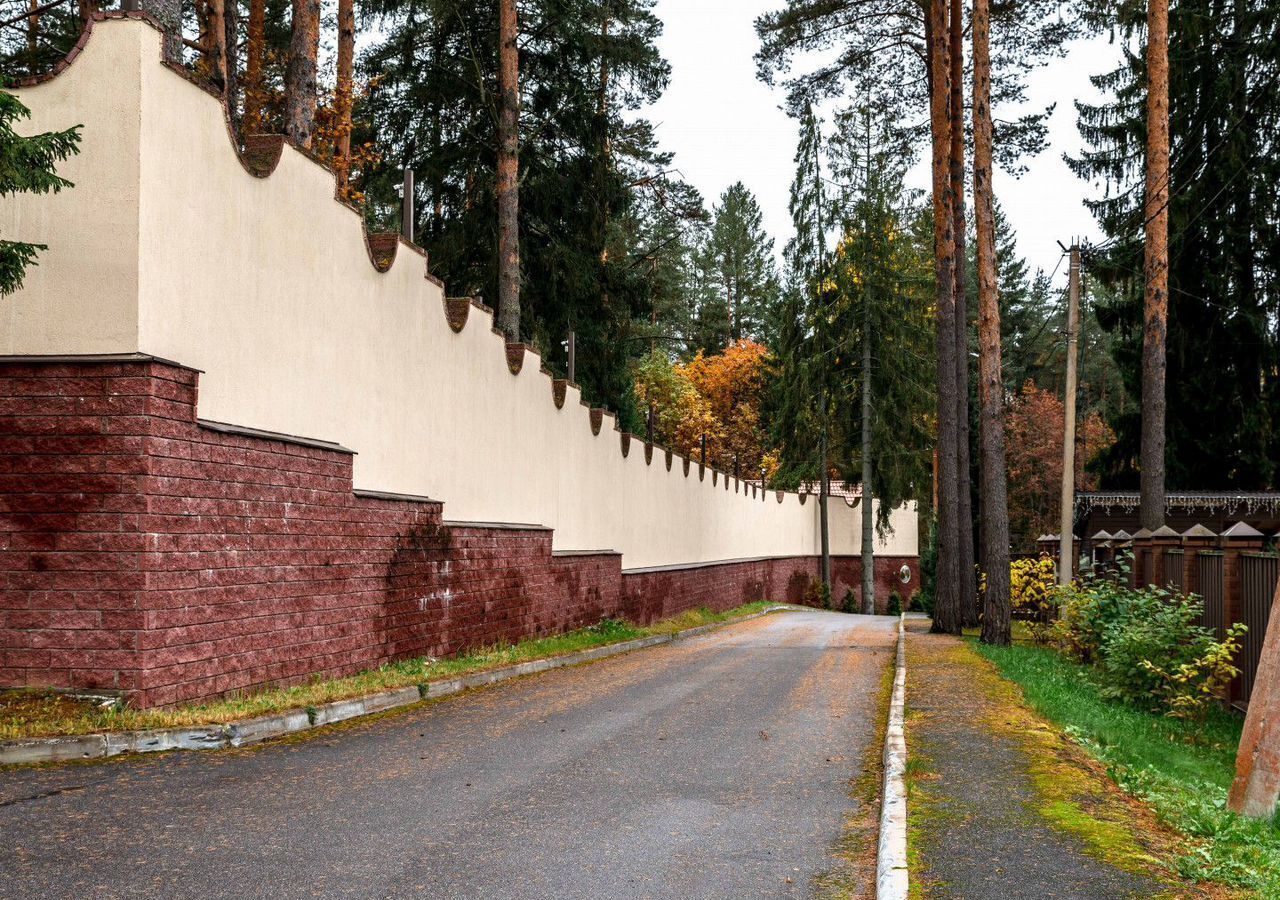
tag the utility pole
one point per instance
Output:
(1066, 549)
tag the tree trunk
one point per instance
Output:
(215, 41)
(968, 588)
(868, 556)
(1155, 267)
(255, 52)
(343, 90)
(824, 491)
(508, 172)
(231, 53)
(995, 504)
(947, 615)
(1256, 787)
(300, 76)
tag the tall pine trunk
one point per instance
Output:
(995, 501)
(300, 76)
(343, 93)
(868, 559)
(508, 172)
(215, 42)
(255, 53)
(964, 491)
(947, 616)
(1155, 267)
(231, 53)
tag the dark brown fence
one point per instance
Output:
(1209, 578)
(1258, 574)
(1148, 575)
(1172, 570)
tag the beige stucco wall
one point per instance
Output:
(265, 285)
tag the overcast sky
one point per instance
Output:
(724, 125)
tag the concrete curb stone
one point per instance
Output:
(892, 882)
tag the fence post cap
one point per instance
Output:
(1142, 534)
(1242, 531)
(1101, 536)
(1198, 531)
(1122, 535)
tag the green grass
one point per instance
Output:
(36, 713)
(1182, 769)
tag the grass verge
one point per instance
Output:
(39, 713)
(1181, 769)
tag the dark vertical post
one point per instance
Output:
(704, 449)
(572, 357)
(736, 470)
(649, 426)
(406, 206)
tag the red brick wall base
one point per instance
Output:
(145, 552)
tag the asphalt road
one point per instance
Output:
(713, 767)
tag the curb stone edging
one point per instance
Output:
(891, 855)
(245, 732)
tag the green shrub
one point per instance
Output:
(1146, 645)
(895, 604)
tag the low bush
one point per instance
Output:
(1146, 645)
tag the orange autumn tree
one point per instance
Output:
(718, 395)
(1034, 426)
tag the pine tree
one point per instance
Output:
(995, 501)
(739, 254)
(1224, 260)
(28, 165)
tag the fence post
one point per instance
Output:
(1239, 538)
(1142, 553)
(1163, 540)
(1194, 540)
(573, 347)
(1099, 549)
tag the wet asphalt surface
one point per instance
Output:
(989, 842)
(718, 766)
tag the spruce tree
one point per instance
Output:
(28, 165)
(739, 256)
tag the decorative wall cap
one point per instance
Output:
(1122, 535)
(1242, 530)
(1198, 531)
(224, 428)
(1164, 531)
(1142, 534)
(1101, 536)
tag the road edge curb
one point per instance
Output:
(892, 880)
(245, 732)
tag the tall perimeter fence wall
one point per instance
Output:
(245, 443)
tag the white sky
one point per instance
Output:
(724, 125)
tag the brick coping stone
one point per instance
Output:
(244, 732)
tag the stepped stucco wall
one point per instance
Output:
(168, 246)
(150, 549)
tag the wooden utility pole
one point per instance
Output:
(508, 171)
(1066, 538)
(1155, 268)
